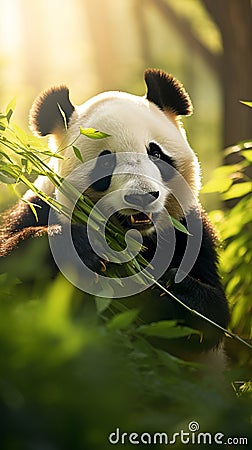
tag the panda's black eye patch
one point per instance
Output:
(106, 162)
(100, 176)
(165, 163)
(154, 151)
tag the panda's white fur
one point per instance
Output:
(132, 123)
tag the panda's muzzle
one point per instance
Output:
(138, 212)
(141, 201)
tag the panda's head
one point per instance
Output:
(145, 166)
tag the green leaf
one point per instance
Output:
(106, 289)
(21, 135)
(9, 114)
(6, 179)
(179, 226)
(247, 155)
(222, 179)
(247, 103)
(10, 108)
(33, 208)
(4, 155)
(78, 153)
(91, 133)
(12, 171)
(217, 185)
(238, 190)
(102, 304)
(24, 163)
(166, 329)
(123, 320)
(172, 362)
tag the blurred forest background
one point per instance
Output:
(61, 373)
(95, 45)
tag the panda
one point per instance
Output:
(143, 173)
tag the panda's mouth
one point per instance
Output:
(140, 219)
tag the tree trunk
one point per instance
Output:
(234, 19)
(100, 21)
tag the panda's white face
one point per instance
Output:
(142, 157)
(145, 166)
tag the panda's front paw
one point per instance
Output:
(103, 263)
(170, 277)
(92, 260)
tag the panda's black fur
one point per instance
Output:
(166, 98)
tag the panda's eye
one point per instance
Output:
(106, 160)
(155, 155)
(107, 163)
(165, 163)
(154, 151)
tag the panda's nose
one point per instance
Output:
(141, 200)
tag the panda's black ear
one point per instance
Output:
(51, 111)
(167, 92)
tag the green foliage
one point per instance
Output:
(166, 329)
(69, 375)
(235, 227)
(247, 103)
(123, 320)
(15, 141)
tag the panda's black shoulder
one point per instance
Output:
(205, 267)
(210, 239)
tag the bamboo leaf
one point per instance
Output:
(91, 133)
(179, 226)
(247, 103)
(238, 190)
(6, 179)
(123, 320)
(102, 304)
(4, 155)
(20, 134)
(33, 208)
(78, 153)
(247, 155)
(166, 329)
(10, 108)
